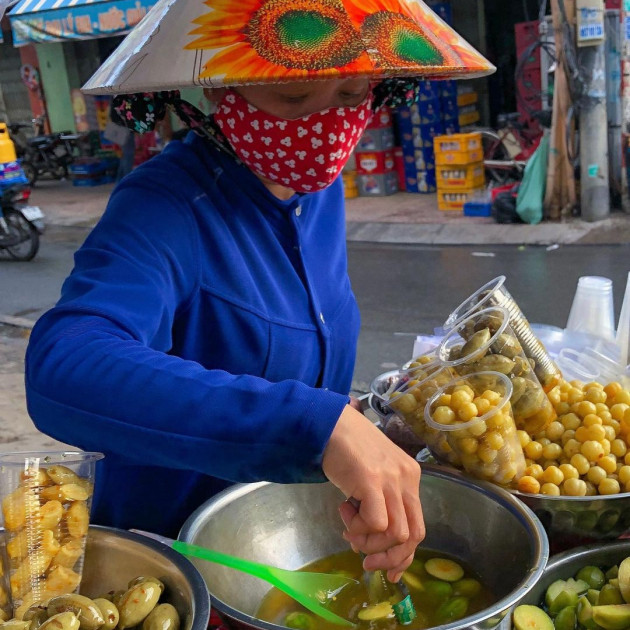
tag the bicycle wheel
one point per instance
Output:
(494, 150)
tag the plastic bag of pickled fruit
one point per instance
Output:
(46, 499)
(475, 414)
(586, 450)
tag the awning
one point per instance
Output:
(39, 21)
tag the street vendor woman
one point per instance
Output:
(207, 333)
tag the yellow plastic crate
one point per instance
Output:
(467, 98)
(458, 148)
(455, 199)
(454, 177)
(469, 119)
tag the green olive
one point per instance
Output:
(37, 619)
(62, 621)
(109, 611)
(162, 617)
(146, 578)
(87, 612)
(137, 603)
(16, 624)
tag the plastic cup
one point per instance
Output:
(592, 310)
(623, 328)
(475, 415)
(485, 341)
(408, 399)
(46, 499)
(494, 293)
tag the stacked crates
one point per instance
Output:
(93, 171)
(375, 161)
(467, 101)
(460, 175)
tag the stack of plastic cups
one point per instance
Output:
(623, 329)
(479, 427)
(494, 293)
(593, 310)
(46, 499)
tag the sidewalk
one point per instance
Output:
(402, 218)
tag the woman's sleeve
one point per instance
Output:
(99, 376)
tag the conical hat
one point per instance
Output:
(215, 43)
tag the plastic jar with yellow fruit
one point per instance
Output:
(479, 426)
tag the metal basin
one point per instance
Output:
(576, 521)
(114, 556)
(292, 525)
(567, 564)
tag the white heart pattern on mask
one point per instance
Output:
(266, 140)
(332, 138)
(295, 177)
(312, 172)
(230, 98)
(290, 163)
(270, 154)
(248, 137)
(268, 125)
(300, 154)
(255, 124)
(317, 128)
(286, 141)
(316, 142)
(320, 159)
(281, 153)
(281, 124)
(301, 132)
(231, 122)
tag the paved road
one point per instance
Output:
(403, 291)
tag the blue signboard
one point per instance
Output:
(39, 21)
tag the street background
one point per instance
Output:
(410, 265)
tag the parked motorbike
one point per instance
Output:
(44, 154)
(20, 223)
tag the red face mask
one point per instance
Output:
(305, 154)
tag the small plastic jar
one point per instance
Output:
(478, 424)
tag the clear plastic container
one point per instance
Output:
(474, 413)
(485, 341)
(46, 500)
(408, 402)
(592, 310)
(494, 293)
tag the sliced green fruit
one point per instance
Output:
(609, 595)
(612, 616)
(527, 617)
(564, 598)
(614, 582)
(412, 581)
(579, 586)
(553, 590)
(585, 613)
(593, 576)
(468, 587)
(566, 619)
(593, 596)
(300, 621)
(437, 590)
(444, 569)
(382, 610)
(612, 573)
(452, 610)
(624, 580)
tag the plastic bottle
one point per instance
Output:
(7, 148)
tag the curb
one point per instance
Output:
(17, 322)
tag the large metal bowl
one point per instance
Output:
(567, 564)
(577, 521)
(114, 556)
(290, 526)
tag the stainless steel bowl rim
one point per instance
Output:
(498, 609)
(197, 583)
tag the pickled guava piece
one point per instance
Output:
(444, 569)
(382, 610)
(300, 621)
(609, 595)
(566, 619)
(527, 617)
(452, 610)
(593, 576)
(553, 590)
(624, 580)
(585, 613)
(468, 587)
(612, 616)
(412, 581)
(565, 598)
(579, 586)
(593, 596)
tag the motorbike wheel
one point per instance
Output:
(30, 171)
(60, 171)
(28, 246)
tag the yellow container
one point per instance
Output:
(469, 118)
(7, 148)
(457, 177)
(455, 199)
(458, 148)
(467, 98)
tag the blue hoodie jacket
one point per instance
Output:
(206, 335)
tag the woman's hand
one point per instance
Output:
(366, 465)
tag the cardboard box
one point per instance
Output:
(428, 90)
(380, 139)
(420, 160)
(378, 185)
(447, 88)
(375, 162)
(423, 135)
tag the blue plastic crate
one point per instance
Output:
(478, 209)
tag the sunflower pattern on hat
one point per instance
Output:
(257, 41)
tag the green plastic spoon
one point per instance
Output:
(307, 588)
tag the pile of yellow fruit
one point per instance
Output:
(586, 450)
